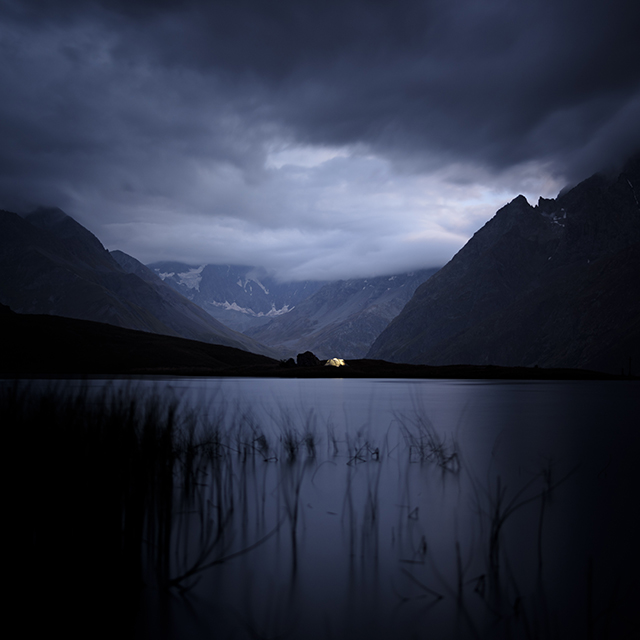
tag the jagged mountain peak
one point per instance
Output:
(547, 285)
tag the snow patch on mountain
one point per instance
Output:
(278, 312)
(555, 216)
(233, 306)
(261, 285)
(192, 278)
(243, 284)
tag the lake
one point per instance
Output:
(345, 508)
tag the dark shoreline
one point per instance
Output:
(41, 346)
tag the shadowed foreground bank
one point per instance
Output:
(41, 345)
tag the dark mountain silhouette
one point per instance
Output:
(50, 264)
(53, 346)
(555, 285)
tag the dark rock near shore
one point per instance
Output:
(307, 359)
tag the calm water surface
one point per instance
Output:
(407, 508)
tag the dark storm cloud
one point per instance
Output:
(497, 82)
(174, 106)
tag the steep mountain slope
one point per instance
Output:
(240, 297)
(50, 264)
(173, 301)
(343, 318)
(550, 285)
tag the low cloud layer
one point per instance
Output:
(318, 140)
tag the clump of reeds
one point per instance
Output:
(426, 444)
(121, 482)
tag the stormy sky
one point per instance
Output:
(317, 139)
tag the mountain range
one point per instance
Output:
(50, 264)
(342, 318)
(551, 285)
(241, 297)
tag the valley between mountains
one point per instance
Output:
(555, 285)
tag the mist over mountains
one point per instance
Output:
(551, 285)
(50, 264)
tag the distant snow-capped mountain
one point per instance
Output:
(240, 297)
(340, 318)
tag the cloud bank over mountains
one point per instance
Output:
(320, 140)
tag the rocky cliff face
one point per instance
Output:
(343, 318)
(554, 284)
(50, 264)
